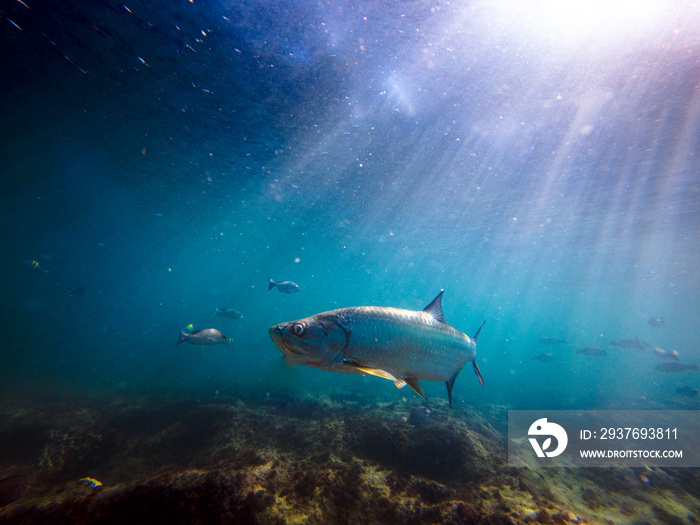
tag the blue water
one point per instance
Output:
(171, 157)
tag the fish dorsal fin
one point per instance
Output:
(414, 383)
(435, 308)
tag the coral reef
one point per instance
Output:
(291, 459)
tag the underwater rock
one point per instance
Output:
(591, 498)
(447, 450)
(304, 459)
(12, 488)
(498, 518)
(666, 517)
(432, 492)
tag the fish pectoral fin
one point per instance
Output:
(379, 373)
(414, 383)
(375, 372)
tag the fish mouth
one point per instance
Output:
(278, 337)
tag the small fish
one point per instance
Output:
(189, 328)
(403, 346)
(208, 336)
(544, 358)
(92, 482)
(688, 391)
(676, 367)
(591, 350)
(419, 415)
(666, 354)
(12, 488)
(656, 321)
(553, 341)
(645, 479)
(78, 291)
(284, 286)
(228, 313)
(631, 343)
(31, 266)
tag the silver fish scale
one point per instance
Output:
(404, 342)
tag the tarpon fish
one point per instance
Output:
(404, 346)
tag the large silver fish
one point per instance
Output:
(404, 346)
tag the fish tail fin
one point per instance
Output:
(479, 330)
(272, 285)
(478, 373)
(183, 337)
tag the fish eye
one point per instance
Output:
(298, 329)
